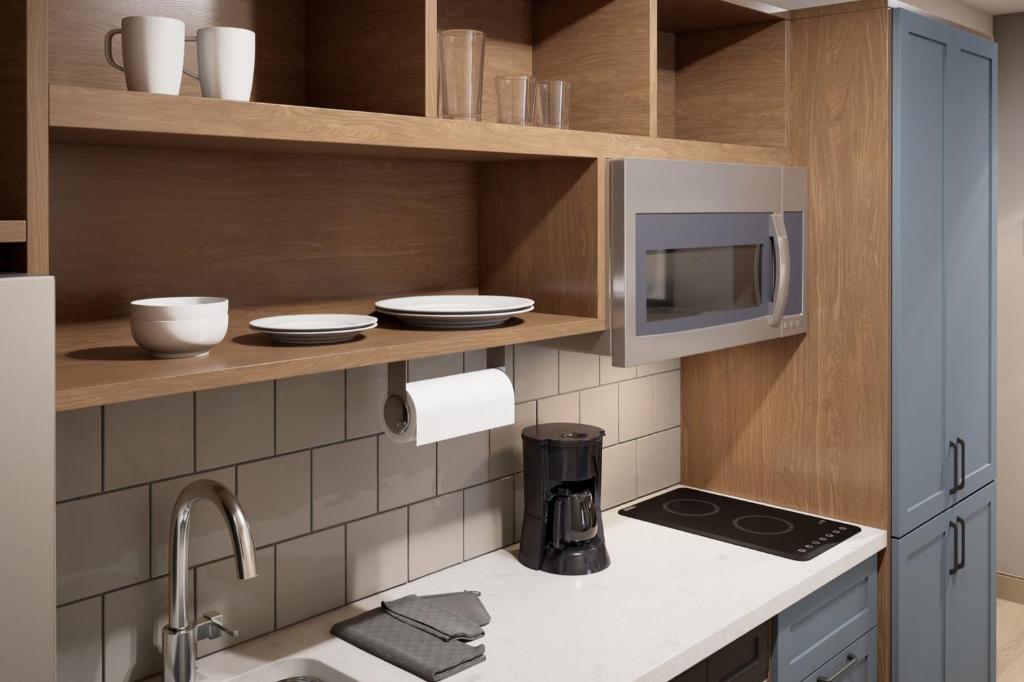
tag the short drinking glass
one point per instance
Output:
(553, 103)
(517, 97)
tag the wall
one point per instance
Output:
(1009, 33)
(338, 511)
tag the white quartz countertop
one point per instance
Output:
(668, 600)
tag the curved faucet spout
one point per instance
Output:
(177, 558)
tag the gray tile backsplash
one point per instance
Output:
(338, 511)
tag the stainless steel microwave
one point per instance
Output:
(704, 256)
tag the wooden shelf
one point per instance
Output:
(13, 231)
(97, 116)
(690, 16)
(99, 364)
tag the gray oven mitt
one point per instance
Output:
(457, 615)
(411, 649)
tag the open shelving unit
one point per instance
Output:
(338, 184)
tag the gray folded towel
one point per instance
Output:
(410, 646)
(439, 615)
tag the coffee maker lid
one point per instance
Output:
(564, 434)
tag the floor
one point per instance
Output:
(1009, 641)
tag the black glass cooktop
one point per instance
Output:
(768, 529)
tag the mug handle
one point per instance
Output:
(183, 69)
(108, 48)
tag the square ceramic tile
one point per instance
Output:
(208, 537)
(536, 373)
(462, 462)
(310, 411)
(489, 517)
(102, 543)
(507, 442)
(653, 463)
(80, 641)
(378, 554)
(437, 366)
(310, 575)
(657, 367)
(600, 407)
(559, 408)
(364, 391)
(667, 394)
(406, 473)
(610, 374)
(247, 605)
(676, 454)
(275, 494)
(435, 534)
(636, 408)
(618, 474)
(577, 370)
(344, 482)
(519, 506)
(133, 623)
(79, 452)
(148, 440)
(234, 424)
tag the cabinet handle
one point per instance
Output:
(962, 535)
(851, 663)
(962, 447)
(956, 547)
(954, 447)
(782, 267)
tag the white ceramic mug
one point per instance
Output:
(154, 53)
(227, 59)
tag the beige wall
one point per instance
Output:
(1009, 33)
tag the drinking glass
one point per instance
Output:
(517, 96)
(553, 103)
(461, 59)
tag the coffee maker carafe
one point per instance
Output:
(562, 528)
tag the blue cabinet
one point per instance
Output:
(943, 267)
(943, 450)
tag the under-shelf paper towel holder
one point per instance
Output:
(396, 410)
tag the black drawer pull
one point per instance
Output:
(956, 547)
(851, 663)
(954, 447)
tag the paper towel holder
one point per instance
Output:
(396, 410)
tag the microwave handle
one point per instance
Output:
(782, 269)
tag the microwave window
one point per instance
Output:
(688, 282)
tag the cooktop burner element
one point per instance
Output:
(756, 526)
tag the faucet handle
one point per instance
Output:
(211, 626)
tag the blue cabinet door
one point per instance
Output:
(921, 465)
(921, 637)
(972, 591)
(969, 256)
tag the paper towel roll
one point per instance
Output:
(453, 406)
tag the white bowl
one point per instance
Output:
(179, 308)
(179, 338)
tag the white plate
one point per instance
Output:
(313, 323)
(468, 321)
(454, 305)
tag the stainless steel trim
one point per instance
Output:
(851, 663)
(782, 269)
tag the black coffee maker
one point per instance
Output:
(562, 528)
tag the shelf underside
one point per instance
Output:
(99, 364)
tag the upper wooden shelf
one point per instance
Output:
(12, 231)
(97, 116)
(691, 16)
(99, 364)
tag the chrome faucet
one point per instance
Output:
(180, 635)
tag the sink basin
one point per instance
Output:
(305, 669)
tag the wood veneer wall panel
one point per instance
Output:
(806, 422)
(542, 234)
(666, 82)
(13, 45)
(368, 56)
(606, 48)
(77, 28)
(257, 228)
(731, 85)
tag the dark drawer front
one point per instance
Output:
(812, 631)
(745, 660)
(698, 673)
(857, 663)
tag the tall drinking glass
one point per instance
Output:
(461, 61)
(517, 97)
(553, 103)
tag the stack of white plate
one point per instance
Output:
(310, 330)
(455, 312)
